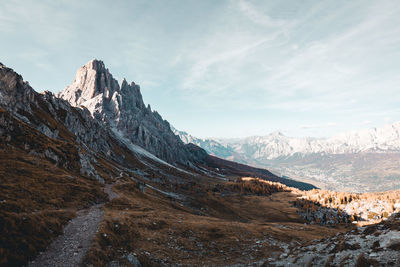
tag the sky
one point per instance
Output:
(222, 68)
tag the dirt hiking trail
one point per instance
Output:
(71, 247)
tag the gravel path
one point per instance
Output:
(70, 248)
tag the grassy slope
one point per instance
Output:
(218, 223)
(37, 195)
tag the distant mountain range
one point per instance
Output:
(277, 145)
(351, 161)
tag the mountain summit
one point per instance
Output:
(122, 108)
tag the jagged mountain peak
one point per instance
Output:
(122, 108)
(95, 64)
(91, 80)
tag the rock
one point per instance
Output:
(133, 260)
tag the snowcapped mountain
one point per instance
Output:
(122, 108)
(277, 145)
(350, 161)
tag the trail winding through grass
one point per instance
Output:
(70, 248)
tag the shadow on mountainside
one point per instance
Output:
(241, 170)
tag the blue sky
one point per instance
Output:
(223, 68)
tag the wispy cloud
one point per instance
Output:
(253, 13)
(318, 70)
(219, 63)
(202, 66)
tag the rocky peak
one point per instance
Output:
(122, 107)
(91, 80)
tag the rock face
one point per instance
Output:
(15, 94)
(55, 118)
(122, 108)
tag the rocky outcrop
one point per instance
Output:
(54, 117)
(50, 114)
(122, 108)
(15, 93)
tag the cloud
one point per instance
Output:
(257, 17)
(201, 67)
(291, 64)
(45, 22)
(218, 63)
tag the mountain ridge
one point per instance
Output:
(276, 144)
(122, 108)
(359, 161)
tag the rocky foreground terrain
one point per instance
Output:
(96, 178)
(373, 245)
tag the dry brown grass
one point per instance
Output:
(37, 194)
(23, 235)
(250, 186)
(208, 228)
(36, 200)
